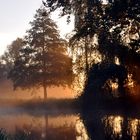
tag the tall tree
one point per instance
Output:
(43, 61)
(114, 22)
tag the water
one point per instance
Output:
(17, 124)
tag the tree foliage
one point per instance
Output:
(10, 55)
(116, 25)
(106, 20)
(43, 60)
(12, 51)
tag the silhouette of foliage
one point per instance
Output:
(8, 58)
(43, 60)
(96, 87)
(116, 26)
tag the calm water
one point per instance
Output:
(96, 125)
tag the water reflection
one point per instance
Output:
(111, 127)
(44, 127)
(81, 131)
(134, 128)
(94, 125)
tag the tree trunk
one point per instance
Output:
(86, 56)
(44, 64)
(45, 92)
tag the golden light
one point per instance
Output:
(115, 123)
(133, 128)
(81, 130)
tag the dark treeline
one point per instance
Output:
(105, 45)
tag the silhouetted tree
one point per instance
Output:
(12, 51)
(115, 24)
(43, 61)
(9, 56)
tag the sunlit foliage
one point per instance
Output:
(115, 24)
(43, 60)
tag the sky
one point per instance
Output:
(15, 16)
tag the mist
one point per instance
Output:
(7, 92)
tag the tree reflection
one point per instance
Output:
(46, 132)
(43, 128)
(113, 125)
(106, 125)
(81, 130)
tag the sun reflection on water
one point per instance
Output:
(113, 125)
(133, 128)
(81, 130)
(116, 126)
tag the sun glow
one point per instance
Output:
(81, 130)
(115, 123)
(7, 36)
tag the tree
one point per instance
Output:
(116, 25)
(10, 55)
(43, 61)
(106, 20)
(12, 52)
